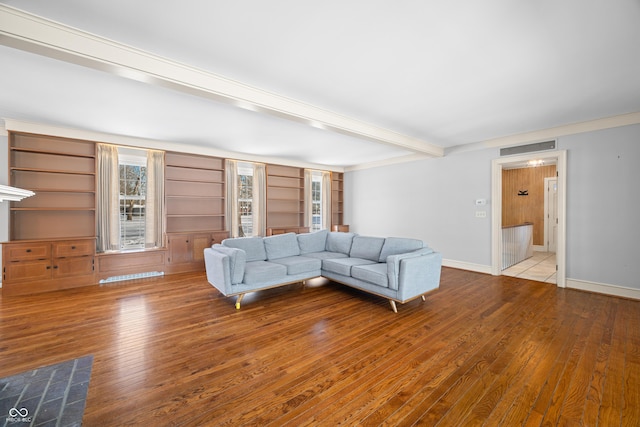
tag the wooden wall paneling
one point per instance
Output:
(517, 209)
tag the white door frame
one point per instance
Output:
(560, 157)
(547, 211)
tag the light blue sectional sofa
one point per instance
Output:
(398, 269)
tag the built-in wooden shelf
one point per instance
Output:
(61, 171)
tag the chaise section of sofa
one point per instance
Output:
(399, 269)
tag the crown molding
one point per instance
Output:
(570, 129)
(28, 32)
(15, 125)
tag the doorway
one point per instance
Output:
(560, 158)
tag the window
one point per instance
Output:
(132, 167)
(316, 201)
(245, 199)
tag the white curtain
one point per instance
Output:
(326, 200)
(154, 204)
(259, 203)
(108, 203)
(232, 215)
(308, 198)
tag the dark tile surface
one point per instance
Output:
(52, 395)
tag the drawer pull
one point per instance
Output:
(73, 247)
(48, 267)
(28, 250)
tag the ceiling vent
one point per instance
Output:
(529, 148)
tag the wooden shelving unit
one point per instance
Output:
(337, 198)
(195, 208)
(61, 172)
(285, 196)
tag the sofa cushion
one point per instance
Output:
(343, 265)
(398, 245)
(237, 262)
(326, 255)
(312, 242)
(281, 246)
(258, 272)
(373, 273)
(339, 242)
(299, 264)
(366, 247)
(253, 246)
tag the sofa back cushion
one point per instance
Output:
(339, 242)
(399, 245)
(312, 242)
(253, 246)
(366, 247)
(281, 246)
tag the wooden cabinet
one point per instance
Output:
(39, 266)
(186, 250)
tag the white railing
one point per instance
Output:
(517, 244)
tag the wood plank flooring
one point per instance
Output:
(481, 350)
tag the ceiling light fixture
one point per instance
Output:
(535, 163)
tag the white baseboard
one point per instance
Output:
(539, 248)
(467, 266)
(603, 288)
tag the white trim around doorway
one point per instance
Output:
(560, 157)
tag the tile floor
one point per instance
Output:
(541, 267)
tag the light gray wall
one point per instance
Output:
(603, 206)
(433, 200)
(4, 180)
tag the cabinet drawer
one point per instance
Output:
(73, 248)
(76, 266)
(27, 251)
(27, 270)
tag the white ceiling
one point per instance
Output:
(446, 73)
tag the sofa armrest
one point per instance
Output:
(393, 264)
(419, 275)
(225, 266)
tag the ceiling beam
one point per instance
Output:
(41, 36)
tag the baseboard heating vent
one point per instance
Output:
(132, 276)
(529, 148)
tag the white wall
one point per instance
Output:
(603, 206)
(433, 200)
(4, 180)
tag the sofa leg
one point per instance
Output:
(424, 298)
(238, 301)
(393, 306)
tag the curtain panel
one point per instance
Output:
(232, 215)
(259, 199)
(326, 200)
(308, 198)
(154, 204)
(108, 201)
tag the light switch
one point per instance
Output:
(481, 214)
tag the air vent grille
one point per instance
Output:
(529, 148)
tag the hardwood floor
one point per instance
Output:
(481, 350)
